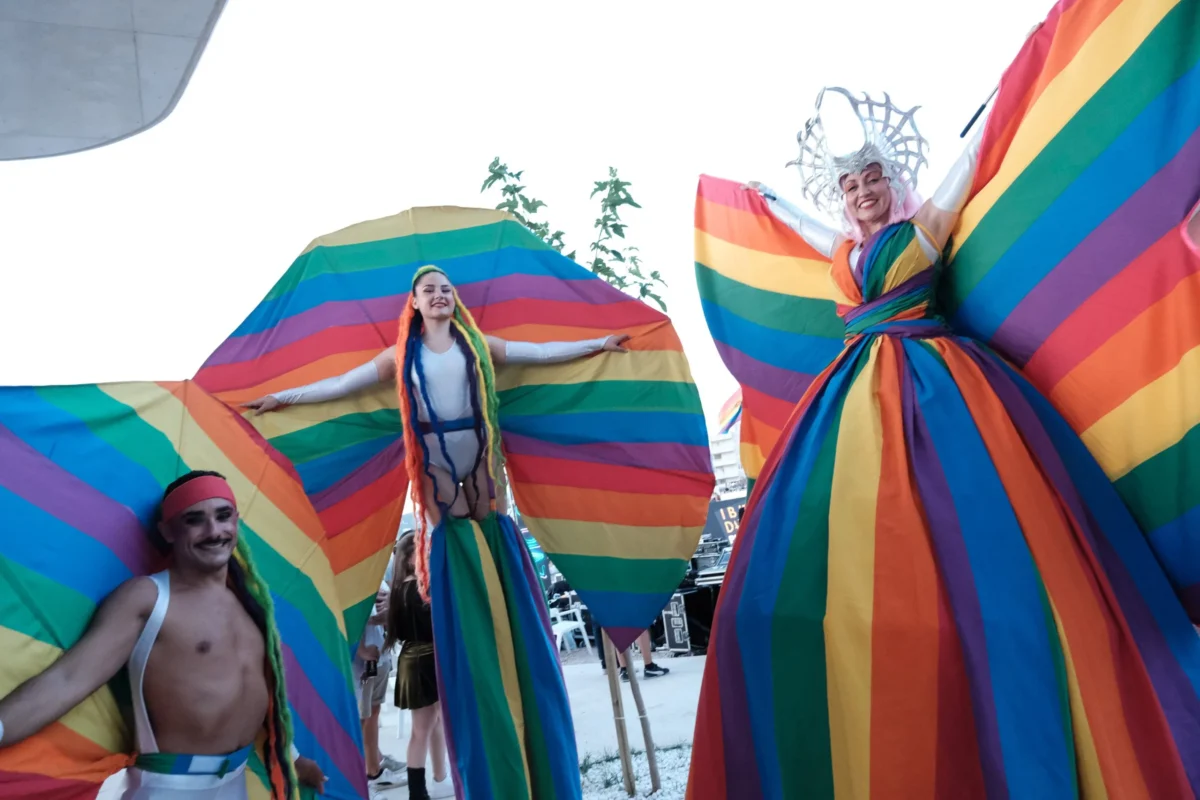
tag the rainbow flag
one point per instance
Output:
(82, 470)
(770, 306)
(730, 413)
(608, 456)
(1072, 258)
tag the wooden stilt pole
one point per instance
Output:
(647, 737)
(614, 689)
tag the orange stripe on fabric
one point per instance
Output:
(754, 231)
(275, 485)
(621, 508)
(1146, 349)
(772, 411)
(345, 514)
(59, 752)
(1080, 594)
(587, 475)
(905, 635)
(310, 373)
(1091, 781)
(843, 276)
(366, 538)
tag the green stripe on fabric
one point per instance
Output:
(41, 608)
(336, 434)
(286, 580)
(1060, 671)
(798, 652)
(781, 312)
(1162, 58)
(1163, 488)
(882, 262)
(609, 574)
(537, 749)
(427, 247)
(473, 607)
(567, 398)
(355, 617)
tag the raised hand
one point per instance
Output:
(614, 343)
(263, 404)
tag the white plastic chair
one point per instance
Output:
(564, 623)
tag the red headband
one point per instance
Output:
(194, 491)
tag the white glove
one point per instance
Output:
(952, 195)
(550, 352)
(333, 388)
(820, 236)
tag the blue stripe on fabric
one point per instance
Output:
(339, 784)
(1177, 545)
(645, 427)
(395, 280)
(321, 473)
(75, 447)
(1108, 182)
(39, 541)
(631, 609)
(1022, 664)
(775, 529)
(526, 605)
(791, 351)
(1120, 530)
(456, 686)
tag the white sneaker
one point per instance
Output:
(389, 778)
(395, 765)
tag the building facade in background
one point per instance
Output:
(727, 464)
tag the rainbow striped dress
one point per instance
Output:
(936, 591)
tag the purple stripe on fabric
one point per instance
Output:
(955, 568)
(1190, 597)
(318, 717)
(623, 638)
(375, 468)
(688, 458)
(762, 377)
(371, 311)
(377, 310)
(917, 283)
(1178, 699)
(1144, 218)
(38, 480)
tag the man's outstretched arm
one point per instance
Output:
(83, 669)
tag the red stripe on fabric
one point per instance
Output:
(611, 477)
(773, 411)
(729, 193)
(706, 776)
(959, 768)
(611, 317)
(345, 514)
(1145, 281)
(29, 786)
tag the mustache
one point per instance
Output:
(214, 540)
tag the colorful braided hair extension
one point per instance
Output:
(251, 591)
(481, 373)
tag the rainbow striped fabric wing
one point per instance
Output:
(82, 470)
(770, 305)
(608, 455)
(1072, 258)
(730, 413)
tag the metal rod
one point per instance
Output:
(978, 114)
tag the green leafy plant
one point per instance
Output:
(610, 258)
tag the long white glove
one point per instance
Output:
(550, 352)
(820, 236)
(952, 195)
(332, 388)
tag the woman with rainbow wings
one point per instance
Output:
(509, 720)
(937, 590)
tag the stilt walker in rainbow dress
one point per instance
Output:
(937, 591)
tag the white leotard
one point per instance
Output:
(449, 390)
(146, 742)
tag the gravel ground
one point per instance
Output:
(602, 775)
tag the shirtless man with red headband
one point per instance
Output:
(198, 644)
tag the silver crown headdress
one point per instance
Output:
(890, 139)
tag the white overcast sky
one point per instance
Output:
(134, 261)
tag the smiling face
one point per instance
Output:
(868, 196)
(203, 535)
(433, 296)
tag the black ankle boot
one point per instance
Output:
(416, 784)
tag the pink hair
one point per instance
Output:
(901, 211)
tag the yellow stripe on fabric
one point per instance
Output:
(97, 718)
(1161, 412)
(505, 651)
(301, 417)
(439, 219)
(850, 599)
(162, 410)
(1104, 53)
(608, 539)
(799, 277)
(255, 788)
(753, 459)
(354, 584)
(912, 261)
(1087, 760)
(636, 365)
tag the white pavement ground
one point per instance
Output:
(670, 705)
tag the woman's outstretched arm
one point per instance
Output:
(380, 369)
(504, 352)
(819, 236)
